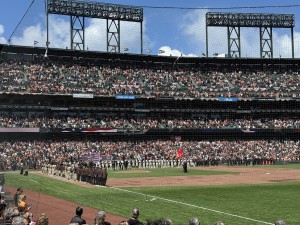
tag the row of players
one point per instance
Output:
(93, 168)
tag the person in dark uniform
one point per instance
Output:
(2, 181)
(77, 218)
(105, 174)
(184, 166)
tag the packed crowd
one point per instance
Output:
(33, 154)
(105, 80)
(138, 123)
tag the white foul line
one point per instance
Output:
(195, 206)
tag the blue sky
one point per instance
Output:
(176, 31)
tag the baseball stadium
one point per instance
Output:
(149, 113)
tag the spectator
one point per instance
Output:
(194, 221)
(42, 220)
(23, 206)
(2, 205)
(219, 223)
(134, 220)
(29, 217)
(159, 222)
(100, 219)
(77, 218)
(280, 222)
(19, 220)
(123, 222)
(17, 196)
(10, 213)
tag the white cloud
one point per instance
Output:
(148, 44)
(2, 39)
(131, 36)
(1, 29)
(283, 47)
(168, 51)
(29, 35)
(59, 32)
(95, 35)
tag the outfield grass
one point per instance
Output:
(164, 172)
(234, 204)
(288, 166)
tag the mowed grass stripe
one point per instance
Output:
(154, 198)
(165, 172)
(261, 202)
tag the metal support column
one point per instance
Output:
(292, 38)
(206, 32)
(141, 37)
(234, 41)
(266, 43)
(113, 35)
(77, 33)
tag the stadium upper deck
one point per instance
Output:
(109, 75)
(151, 88)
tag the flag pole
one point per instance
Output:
(34, 43)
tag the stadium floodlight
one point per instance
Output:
(160, 51)
(149, 51)
(126, 49)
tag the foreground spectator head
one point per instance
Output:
(10, 213)
(101, 214)
(28, 216)
(77, 218)
(100, 219)
(280, 222)
(194, 221)
(219, 223)
(42, 220)
(79, 211)
(135, 213)
(159, 222)
(123, 222)
(19, 220)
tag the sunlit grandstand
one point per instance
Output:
(76, 111)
